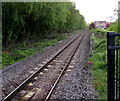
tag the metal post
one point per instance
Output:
(111, 66)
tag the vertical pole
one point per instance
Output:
(116, 78)
(111, 66)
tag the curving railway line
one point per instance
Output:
(46, 75)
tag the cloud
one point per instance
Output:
(96, 9)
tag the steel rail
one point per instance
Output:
(26, 81)
(62, 72)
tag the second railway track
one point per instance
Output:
(43, 81)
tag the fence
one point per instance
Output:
(113, 52)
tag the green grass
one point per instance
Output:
(22, 50)
(99, 59)
(100, 30)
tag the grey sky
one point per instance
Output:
(96, 10)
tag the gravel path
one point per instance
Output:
(76, 83)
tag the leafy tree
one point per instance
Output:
(92, 25)
(25, 20)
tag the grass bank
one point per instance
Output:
(99, 59)
(22, 50)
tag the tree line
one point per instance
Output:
(115, 26)
(21, 20)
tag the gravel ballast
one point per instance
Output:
(74, 84)
(14, 74)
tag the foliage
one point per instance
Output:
(24, 49)
(115, 26)
(25, 20)
(92, 25)
(99, 59)
(101, 30)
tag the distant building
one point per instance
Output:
(100, 24)
(108, 24)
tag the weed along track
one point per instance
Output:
(45, 76)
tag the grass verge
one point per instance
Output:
(22, 50)
(99, 59)
(25, 49)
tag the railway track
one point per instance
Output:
(50, 71)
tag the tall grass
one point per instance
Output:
(99, 59)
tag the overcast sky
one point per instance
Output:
(96, 10)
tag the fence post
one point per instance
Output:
(111, 66)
